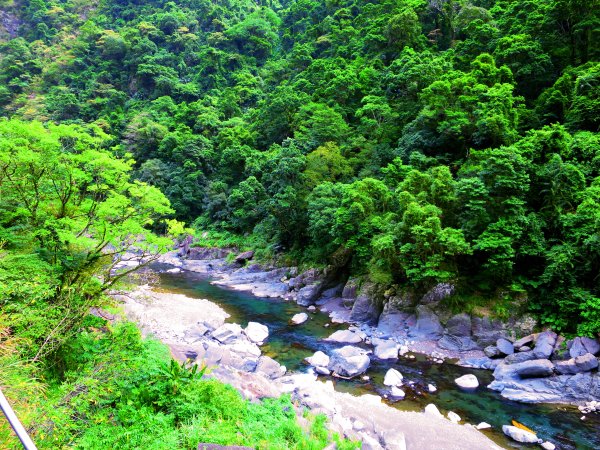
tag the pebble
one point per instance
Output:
(548, 446)
(431, 388)
(483, 426)
(453, 417)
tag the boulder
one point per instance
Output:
(519, 434)
(583, 345)
(365, 307)
(583, 363)
(349, 361)
(459, 325)
(269, 367)
(431, 388)
(505, 346)
(393, 378)
(387, 349)
(396, 392)
(299, 318)
(526, 340)
(307, 295)
(533, 368)
(520, 357)
(428, 325)
(256, 332)
(227, 333)
(544, 345)
(483, 426)
(319, 359)
(245, 256)
(245, 349)
(344, 337)
(486, 331)
(468, 381)
(491, 351)
(350, 288)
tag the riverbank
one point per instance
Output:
(180, 322)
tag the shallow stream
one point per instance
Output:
(289, 345)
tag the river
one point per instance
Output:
(289, 345)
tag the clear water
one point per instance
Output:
(289, 345)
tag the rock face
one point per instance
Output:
(457, 335)
(299, 318)
(486, 331)
(544, 345)
(468, 381)
(428, 325)
(256, 332)
(344, 337)
(519, 434)
(393, 378)
(349, 361)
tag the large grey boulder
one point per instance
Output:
(459, 325)
(491, 351)
(486, 331)
(524, 341)
(319, 359)
(227, 333)
(307, 295)
(505, 346)
(583, 363)
(533, 368)
(520, 435)
(428, 325)
(583, 345)
(365, 307)
(245, 256)
(349, 361)
(520, 357)
(344, 337)
(392, 321)
(544, 346)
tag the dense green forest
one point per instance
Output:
(439, 140)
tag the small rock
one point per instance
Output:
(243, 257)
(349, 361)
(483, 426)
(299, 318)
(432, 410)
(453, 417)
(227, 333)
(431, 388)
(397, 392)
(358, 425)
(491, 351)
(393, 378)
(520, 435)
(312, 308)
(468, 381)
(387, 350)
(548, 446)
(322, 370)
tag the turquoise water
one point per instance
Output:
(291, 344)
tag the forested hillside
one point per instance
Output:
(437, 139)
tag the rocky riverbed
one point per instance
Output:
(527, 366)
(197, 329)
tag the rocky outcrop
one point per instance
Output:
(437, 293)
